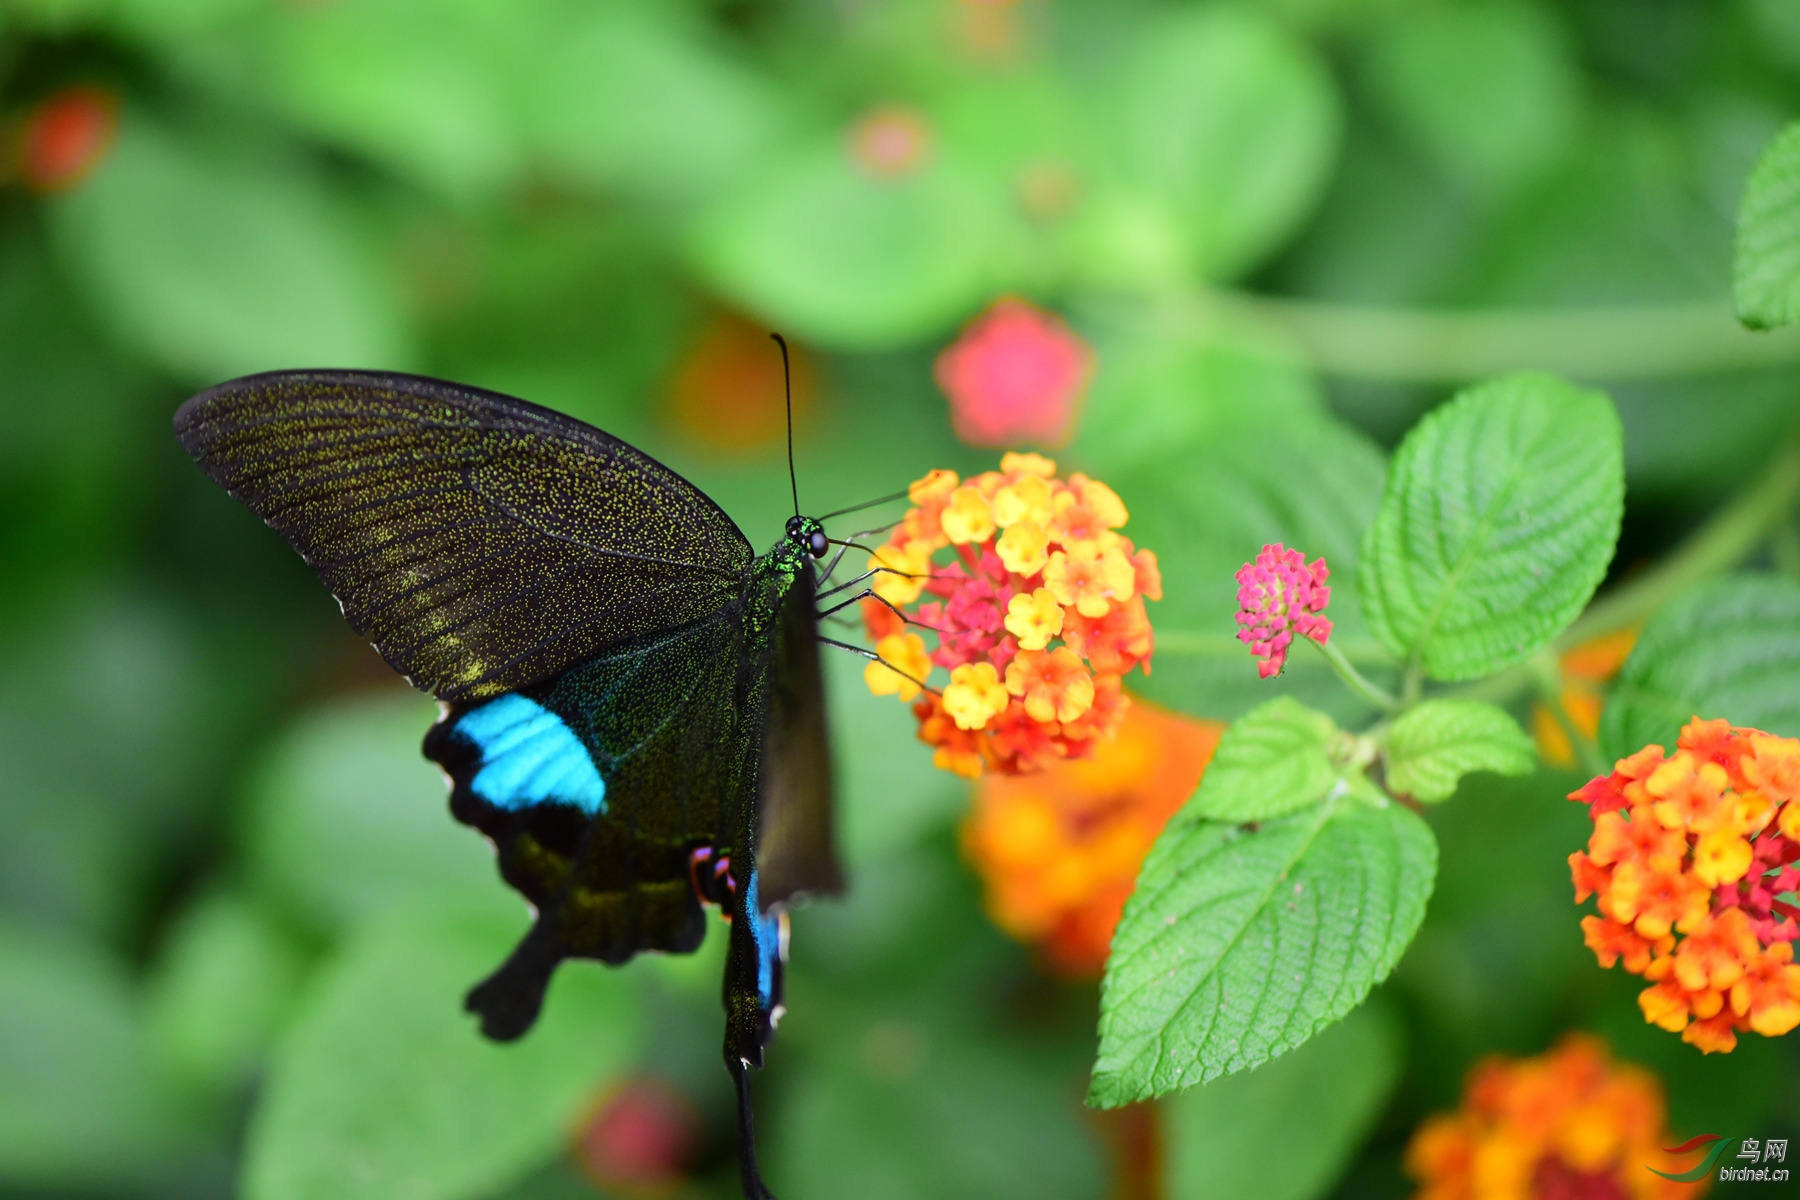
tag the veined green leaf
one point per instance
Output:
(1271, 762)
(1500, 517)
(1766, 275)
(1730, 648)
(1434, 745)
(1340, 1080)
(1240, 944)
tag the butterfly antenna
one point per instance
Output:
(787, 387)
(900, 495)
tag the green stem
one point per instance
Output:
(1354, 679)
(1424, 346)
(1784, 548)
(1735, 533)
(1194, 644)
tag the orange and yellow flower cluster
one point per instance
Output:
(1689, 857)
(1569, 1123)
(1059, 851)
(1037, 615)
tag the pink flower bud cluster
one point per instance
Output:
(1279, 595)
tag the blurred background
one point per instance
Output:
(235, 918)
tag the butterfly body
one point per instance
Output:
(633, 708)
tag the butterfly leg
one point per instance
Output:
(863, 652)
(754, 1187)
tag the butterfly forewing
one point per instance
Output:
(482, 543)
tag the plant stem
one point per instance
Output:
(1354, 679)
(1424, 346)
(1732, 535)
(1194, 644)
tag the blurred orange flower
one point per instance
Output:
(66, 136)
(1566, 1125)
(1689, 856)
(1013, 376)
(1585, 672)
(728, 391)
(1059, 851)
(1036, 619)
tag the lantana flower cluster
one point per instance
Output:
(1689, 857)
(1280, 595)
(1058, 851)
(1037, 615)
(1564, 1124)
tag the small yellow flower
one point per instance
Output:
(968, 518)
(1015, 463)
(903, 667)
(936, 485)
(906, 567)
(1034, 619)
(1090, 579)
(1026, 500)
(1721, 857)
(1024, 549)
(975, 695)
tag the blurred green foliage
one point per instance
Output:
(235, 920)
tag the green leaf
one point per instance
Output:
(1500, 516)
(1443, 73)
(1218, 1135)
(219, 266)
(220, 991)
(839, 257)
(908, 1102)
(1766, 274)
(345, 817)
(1240, 944)
(424, 87)
(383, 1088)
(1271, 762)
(82, 1107)
(629, 96)
(1434, 745)
(1730, 648)
(1232, 123)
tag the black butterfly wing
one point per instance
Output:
(796, 850)
(597, 788)
(480, 542)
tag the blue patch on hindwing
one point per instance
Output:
(766, 933)
(528, 756)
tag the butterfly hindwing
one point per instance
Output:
(482, 543)
(596, 788)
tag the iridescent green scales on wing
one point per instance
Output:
(634, 711)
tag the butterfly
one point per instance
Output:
(632, 707)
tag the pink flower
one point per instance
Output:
(1014, 376)
(1279, 595)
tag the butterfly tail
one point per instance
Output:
(508, 1000)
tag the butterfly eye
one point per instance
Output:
(817, 543)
